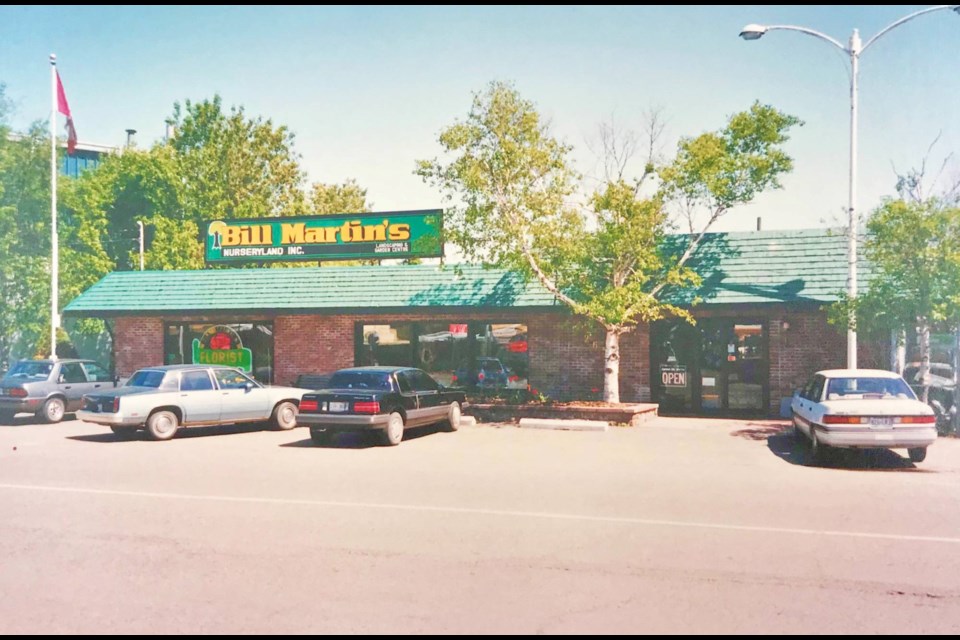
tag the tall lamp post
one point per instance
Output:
(854, 49)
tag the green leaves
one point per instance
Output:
(730, 167)
(914, 252)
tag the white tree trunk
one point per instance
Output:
(611, 366)
(898, 350)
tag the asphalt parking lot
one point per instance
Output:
(676, 526)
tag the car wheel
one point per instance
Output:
(453, 417)
(818, 450)
(942, 417)
(162, 425)
(393, 434)
(917, 454)
(6, 417)
(123, 432)
(52, 410)
(322, 437)
(285, 416)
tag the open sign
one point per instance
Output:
(673, 375)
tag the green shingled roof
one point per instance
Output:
(326, 289)
(755, 267)
(770, 266)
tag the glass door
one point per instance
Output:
(733, 366)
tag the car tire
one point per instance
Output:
(942, 417)
(393, 433)
(321, 437)
(162, 425)
(6, 417)
(284, 416)
(453, 417)
(818, 450)
(52, 410)
(917, 454)
(123, 432)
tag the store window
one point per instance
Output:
(470, 354)
(248, 346)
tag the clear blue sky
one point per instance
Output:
(367, 89)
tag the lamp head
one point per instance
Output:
(753, 31)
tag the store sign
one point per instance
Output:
(400, 234)
(221, 345)
(673, 375)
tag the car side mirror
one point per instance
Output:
(796, 393)
(248, 386)
(116, 381)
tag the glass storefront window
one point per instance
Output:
(247, 346)
(474, 355)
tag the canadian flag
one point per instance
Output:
(64, 108)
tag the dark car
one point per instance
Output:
(941, 387)
(384, 399)
(50, 388)
(481, 372)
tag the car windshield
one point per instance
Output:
(360, 380)
(146, 378)
(859, 388)
(32, 370)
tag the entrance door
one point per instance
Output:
(718, 366)
(733, 366)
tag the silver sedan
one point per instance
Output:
(163, 399)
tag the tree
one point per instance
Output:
(511, 186)
(24, 236)
(233, 166)
(328, 199)
(913, 247)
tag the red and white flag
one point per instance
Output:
(64, 108)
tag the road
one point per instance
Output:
(676, 526)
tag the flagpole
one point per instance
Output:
(54, 243)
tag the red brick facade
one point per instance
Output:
(566, 353)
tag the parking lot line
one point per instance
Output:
(488, 512)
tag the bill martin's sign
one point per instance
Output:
(395, 234)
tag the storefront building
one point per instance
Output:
(761, 325)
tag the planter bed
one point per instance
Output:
(625, 414)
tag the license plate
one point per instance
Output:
(881, 422)
(339, 406)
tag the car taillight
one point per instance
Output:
(18, 393)
(366, 407)
(481, 376)
(841, 420)
(918, 419)
(309, 405)
(116, 404)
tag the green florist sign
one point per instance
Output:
(393, 234)
(221, 345)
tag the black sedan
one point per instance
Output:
(385, 399)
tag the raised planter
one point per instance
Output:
(631, 414)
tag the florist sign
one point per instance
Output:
(400, 234)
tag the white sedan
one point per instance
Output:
(865, 409)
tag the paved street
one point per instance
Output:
(677, 526)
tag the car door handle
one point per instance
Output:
(96, 386)
(67, 386)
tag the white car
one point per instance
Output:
(863, 409)
(163, 399)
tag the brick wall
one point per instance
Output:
(138, 343)
(808, 345)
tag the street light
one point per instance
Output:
(854, 49)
